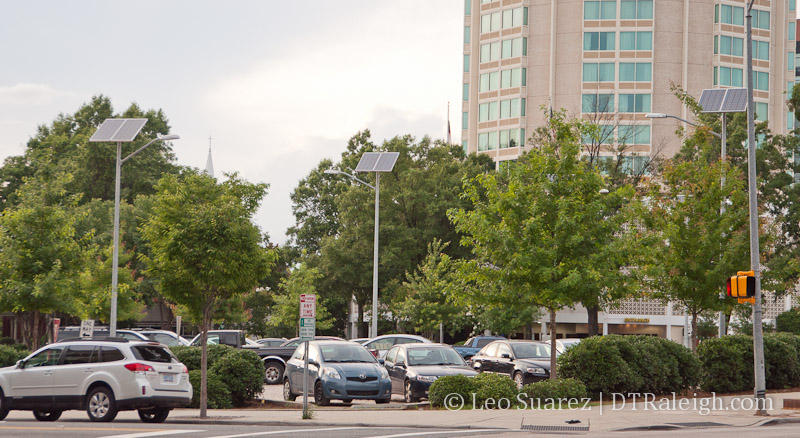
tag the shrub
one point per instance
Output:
(5, 340)
(9, 355)
(789, 321)
(599, 364)
(557, 389)
(794, 341)
(780, 363)
(243, 373)
(219, 397)
(727, 363)
(461, 385)
(190, 356)
(496, 387)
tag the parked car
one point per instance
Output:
(523, 361)
(275, 358)
(271, 342)
(234, 338)
(564, 343)
(474, 345)
(361, 340)
(381, 344)
(337, 371)
(414, 367)
(166, 337)
(99, 332)
(102, 377)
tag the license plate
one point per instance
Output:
(169, 378)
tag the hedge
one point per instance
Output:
(10, 354)
(555, 389)
(219, 397)
(235, 376)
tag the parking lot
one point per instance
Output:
(275, 393)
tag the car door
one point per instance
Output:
(391, 368)
(74, 369)
(401, 369)
(32, 383)
(504, 360)
(486, 358)
(294, 368)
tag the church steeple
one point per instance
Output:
(209, 163)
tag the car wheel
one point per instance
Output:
(273, 373)
(100, 405)
(319, 395)
(3, 406)
(347, 401)
(287, 391)
(408, 393)
(519, 380)
(154, 415)
(47, 415)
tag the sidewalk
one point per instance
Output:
(597, 419)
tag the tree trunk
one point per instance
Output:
(694, 332)
(591, 313)
(206, 326)
(552, 344)
(35, 330)
(362, 326)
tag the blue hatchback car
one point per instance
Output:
(338, 370)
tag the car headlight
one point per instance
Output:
(536, 370)
(384, 373)
(330, 372)
(427, 378)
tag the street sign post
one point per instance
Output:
(87, 328)
(56, 325)
(308, 325)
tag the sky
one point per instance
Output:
(277, 85)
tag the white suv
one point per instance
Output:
(101, 376)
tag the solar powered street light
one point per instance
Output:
(120, 131)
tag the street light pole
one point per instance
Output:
(112, 323)
(758, 339)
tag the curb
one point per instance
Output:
(231, 421)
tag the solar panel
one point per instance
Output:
(711, 100)
(735, 101)
(377, 161)
(122, 130)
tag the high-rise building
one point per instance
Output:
(612, 62)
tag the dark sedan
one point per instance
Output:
(414, 367)
(523, 361)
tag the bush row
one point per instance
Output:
(728, 362)
(10, 354)
(498, 391)
(234, 376)
(622, 364)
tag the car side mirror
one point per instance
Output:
(505, 356)
(313, 362)
(20, 363)
(401, 364)
(381, 361)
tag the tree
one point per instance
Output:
(285, 317)
(693, 247)
(41, 255)
(533, 228)
(205, 248)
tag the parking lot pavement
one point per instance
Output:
(275, 393)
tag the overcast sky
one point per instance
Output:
(279, 85)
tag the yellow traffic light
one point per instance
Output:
(742, 286)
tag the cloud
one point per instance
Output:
(30, 94)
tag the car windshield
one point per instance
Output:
(530, 350)
(152, 353)
(433, 356)
(346, 352)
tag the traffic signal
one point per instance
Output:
(742, 285)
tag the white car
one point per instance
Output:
(380, 345)
(102, 377)
(166, 337)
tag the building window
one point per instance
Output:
(487, 112)
(483, 141)
(465, 91)
(790, 61)
(597, 103)
(466, 63)
(760, 19)
(792, 5)
(511, 138)
(635, 72)
(512, 108)
(599, 41)
(464, 120)
(792, 30)
(466, 34)
(762, 111)
(490, 51)
(598, 72)
(493, 143)
(634, 134)
(600, 10)
(491, 22)
(636, 40)
(464, 143)
(761, 50)
(716, 74)
(490, 81)
(514, 48)
(467, 7)
(729, 45)
(636, 9)
(634, 103)
(514, 77)
(761, 80)
(730, 76)
(515, 17)
(729, 14)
